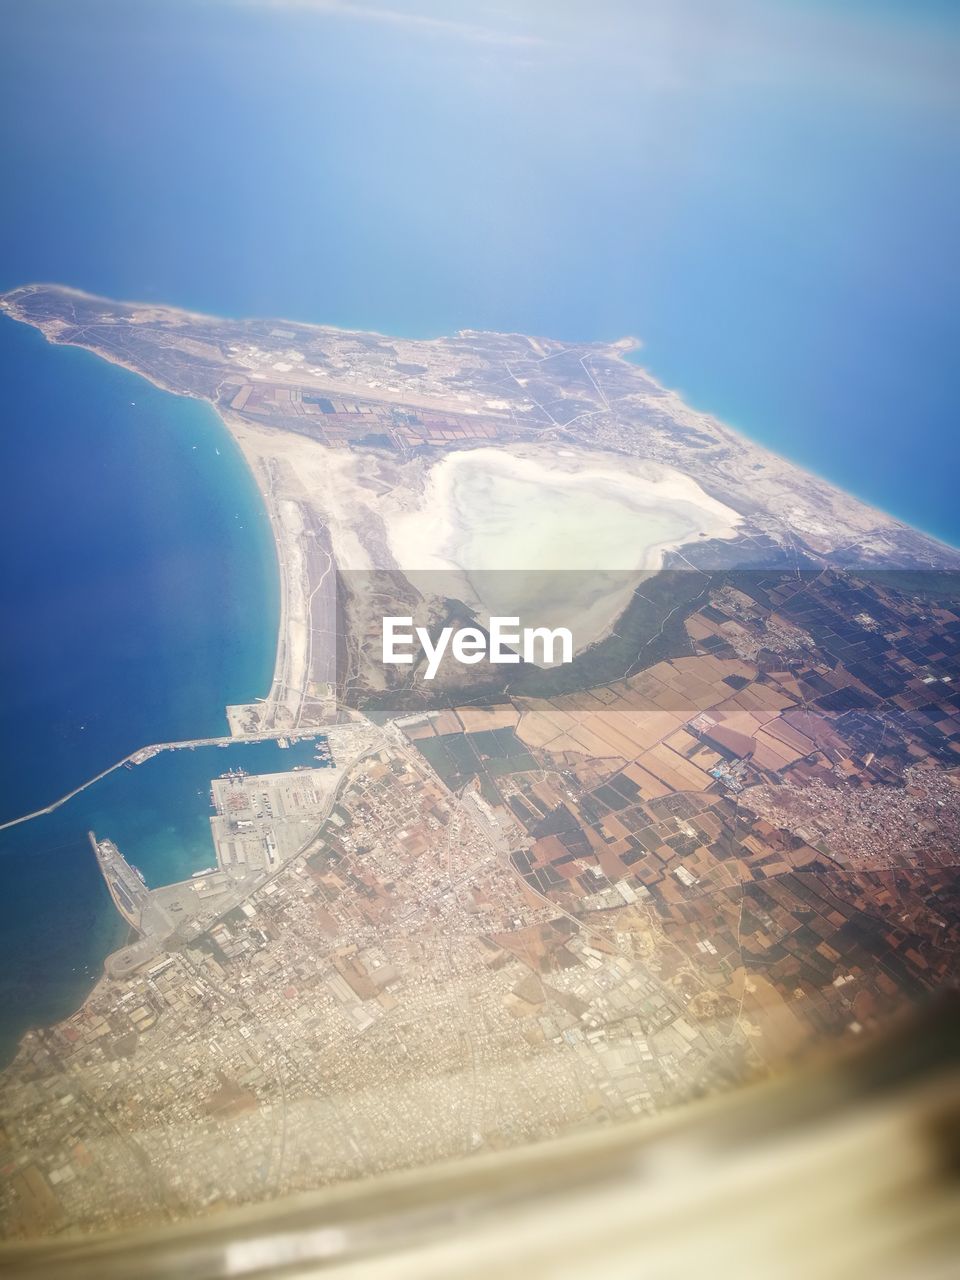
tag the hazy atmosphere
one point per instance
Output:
(480, 553)
(764, 191)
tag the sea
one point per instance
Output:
(142, 597)
(767, 199)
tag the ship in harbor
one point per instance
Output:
(125, 883)
(132, 897)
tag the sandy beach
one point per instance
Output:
(617, 499)
(284, 706)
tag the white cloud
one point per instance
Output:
(681, 46)
(429, 24)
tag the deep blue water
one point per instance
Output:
(141, 596)
(138, 569)
(766, 194)
(56, 919)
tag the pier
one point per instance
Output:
(143, 754)
(128, 889)
(261, 823)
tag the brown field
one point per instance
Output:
(476, 719)
(625, 719)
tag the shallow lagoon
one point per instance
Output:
(506, 522)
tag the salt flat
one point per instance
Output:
(559, 537)
(565, 536)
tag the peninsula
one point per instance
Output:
(721, 837)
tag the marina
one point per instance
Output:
(147, 753)
(264, 816)
(261, 822)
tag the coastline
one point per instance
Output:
(184, 773)
(802, 495)
(296, 528)
(282, 706)
(288, 510)
(288, 579)
(145, 556)
(292, 520)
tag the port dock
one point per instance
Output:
(260, 823)
(137, 904)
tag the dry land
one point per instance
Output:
(730, 838)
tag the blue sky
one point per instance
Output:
(765, 192)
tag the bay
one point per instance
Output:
(769, 204)
(141, 597)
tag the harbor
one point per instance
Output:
(260, 822)
(143, 754)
